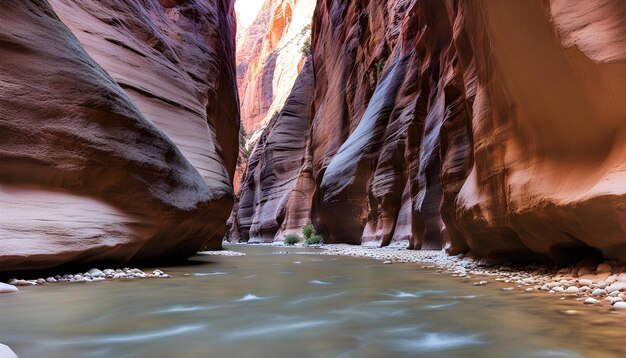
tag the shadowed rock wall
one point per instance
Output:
(118, 130)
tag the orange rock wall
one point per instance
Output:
(495, 127)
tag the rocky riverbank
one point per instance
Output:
(602, 284)
(93, 275)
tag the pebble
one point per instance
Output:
(616, 286)
(603, 268)
(620, 306)
(507, 289)
(6, 352)
(480, 283)
(5, 288)
(93, 275)
(598, 292)
(585, 282)
(590, 301)
(572, 289)
(387, 262)
(94, 272)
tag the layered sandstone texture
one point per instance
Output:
(271, 52)
(483, 126)
(118, 130)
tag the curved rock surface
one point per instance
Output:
(271, 53)
(117, 150)
(490, 127)
(275, 193)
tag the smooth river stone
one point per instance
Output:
(6, 352)
(5, 288)
(620, 306)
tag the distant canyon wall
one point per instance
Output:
(118, 130)
(271, 52)
(495, 127)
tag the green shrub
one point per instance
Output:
(307, 231)
(306, 47)
(313, 240)
(292, 239)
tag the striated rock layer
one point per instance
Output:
(118, 130)
(271, 52)
(482, 126)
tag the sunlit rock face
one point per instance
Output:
(118, 130)
(491, 127)
(270, 54)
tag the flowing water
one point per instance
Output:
(268, 304)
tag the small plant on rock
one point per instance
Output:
(307, 231)
(292, 239)
(313, 240)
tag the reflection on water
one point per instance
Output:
(265, 304)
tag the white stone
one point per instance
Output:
(620, 306)
(558, 289)
(6, 352)
(51, 280)
(585, 282)
(5, 288)
(590, 301)
(616, 286)
(572, 289)
(598, 292)
(94, 272)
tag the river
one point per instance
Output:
(271, 304)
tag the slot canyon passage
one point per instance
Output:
(330, 178)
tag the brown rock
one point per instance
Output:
(277, 182)
(88, 171)
(494, 127)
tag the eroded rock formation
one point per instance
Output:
(482, 126)
(118, 130)
(271, 53)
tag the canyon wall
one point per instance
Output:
(271, 52)
(482, 126)
(118, 130)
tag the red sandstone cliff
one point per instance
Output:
(270, 55)
(118, 129)
(495, 127)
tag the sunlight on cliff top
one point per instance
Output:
(247, 10)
